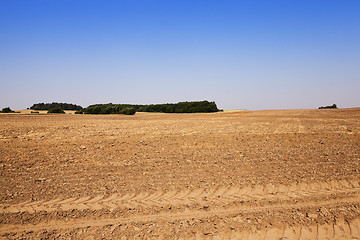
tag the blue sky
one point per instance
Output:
(253, 54)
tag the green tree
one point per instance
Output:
(128, 111)
(7, 110)
(56, 110)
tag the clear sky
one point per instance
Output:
(251, 54)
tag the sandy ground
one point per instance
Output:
(291, 174)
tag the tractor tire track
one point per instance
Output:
(222, 202)
(221, 195)
(337, 230)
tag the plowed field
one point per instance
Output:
(284, 174)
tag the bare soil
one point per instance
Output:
(282, 174)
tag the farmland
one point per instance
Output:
(291, 174)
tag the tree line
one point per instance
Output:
(53, 105)
(327, 107)
(109, 109)
(130, 109)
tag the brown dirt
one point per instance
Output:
(290, 174)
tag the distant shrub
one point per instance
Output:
(79, 112)
(34, 112)
(56, 110)
(327, 107)
(7, 110)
